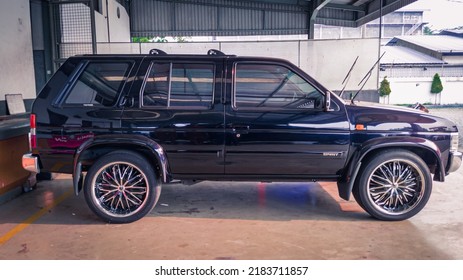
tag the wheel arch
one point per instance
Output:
(425, 149)
(99, 146)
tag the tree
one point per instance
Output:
(428, 31)
(385, 88)
(436, 86)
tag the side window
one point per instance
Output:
(179, 85)
(99, 84)
(267, 86)
(156, 90)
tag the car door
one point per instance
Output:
(85, 107)
(178, 104)
(276, 125)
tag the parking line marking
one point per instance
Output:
(27, 222)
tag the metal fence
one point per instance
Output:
(422, 71)
(73, 28)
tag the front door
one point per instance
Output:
(276, 125)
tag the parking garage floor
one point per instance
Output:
(230, 220)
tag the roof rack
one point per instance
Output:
(209, 52)
(214, 52)
(157, 52)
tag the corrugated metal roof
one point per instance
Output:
(373, 9)
(397, 55)
(215, 17)
(453, 32)
(257, 17)
(443, 44)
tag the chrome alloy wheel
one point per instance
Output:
(396, 186)
(120, 189)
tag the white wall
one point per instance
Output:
(288, 50)
(328, 61)
(119, 27)
(412, 90)
(453, 59)
(101, 28)
(16, 60)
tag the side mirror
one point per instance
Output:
(127, 101)
(327, 104)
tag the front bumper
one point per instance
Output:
(30, 162)
(454, 161)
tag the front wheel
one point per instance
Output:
(121, 187)
(394, 185)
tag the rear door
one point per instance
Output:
(276, 125)
(86, 107)
(178, 105)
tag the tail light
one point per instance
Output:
(33, 132)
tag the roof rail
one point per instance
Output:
(214, 52)
(157, 52)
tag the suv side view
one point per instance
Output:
(122, 125)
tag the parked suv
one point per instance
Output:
(124, 124)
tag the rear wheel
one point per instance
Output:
(121, 187)
(394, 185)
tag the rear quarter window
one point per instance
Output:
(98, 84)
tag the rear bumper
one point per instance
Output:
(30, 162)
(454, 161)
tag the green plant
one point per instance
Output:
(161, 39)
(385, 87)
(181, 39)
(140, 39)
(436, 86)
(428, 31)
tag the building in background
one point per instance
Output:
(402, 22)
(410, 62)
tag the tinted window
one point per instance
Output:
(273, 86)
(179, 84)
(156, 90)
(99, 84)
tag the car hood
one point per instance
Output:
(380, 117)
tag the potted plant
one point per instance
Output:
(384, 88)
(436, 86)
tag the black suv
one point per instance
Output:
(124, 124)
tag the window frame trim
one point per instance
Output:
(70, 83)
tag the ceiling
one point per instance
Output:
(345, 12)
(227, 17)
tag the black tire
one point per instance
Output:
(393, 185)
(107, 192)
(355, 192)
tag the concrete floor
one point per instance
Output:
(226, 220)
